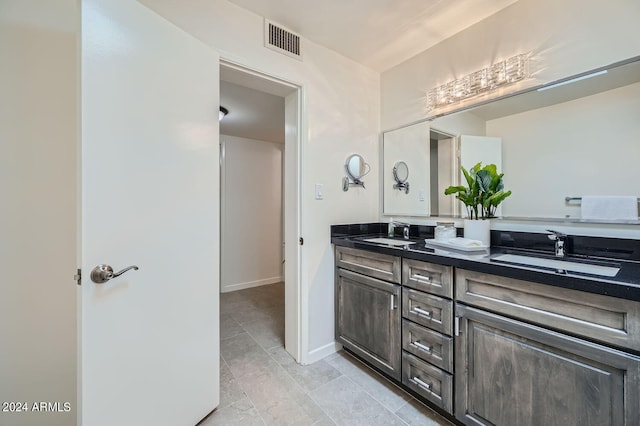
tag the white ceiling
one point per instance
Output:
(377, 33)
(253, 114)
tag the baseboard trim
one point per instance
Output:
(323, 351)
(250, 284)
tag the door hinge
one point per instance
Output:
(78, 277)
(301, 241)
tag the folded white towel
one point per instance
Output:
(464, 242)
(609, 207)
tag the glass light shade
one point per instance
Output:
(499, 74)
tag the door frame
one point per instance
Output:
(295, 299)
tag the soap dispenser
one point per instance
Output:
(391, 231)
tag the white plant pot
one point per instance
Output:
(478, 229)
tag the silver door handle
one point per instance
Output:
(103, 273)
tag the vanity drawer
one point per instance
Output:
(377, 265)
(431, 311)
(432, 383)
(429, 277)
(429, 345)
(592, 316)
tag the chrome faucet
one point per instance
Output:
(405, 228)
(560, 239)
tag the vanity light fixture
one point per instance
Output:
(223, 112)
(573, 80)
(480, 82)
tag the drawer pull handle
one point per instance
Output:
(393, 302)
(422, 312)
(421, 346)
(421, 383)
(421, 277)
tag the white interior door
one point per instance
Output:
(150, 197)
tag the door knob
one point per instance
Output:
(103, 273)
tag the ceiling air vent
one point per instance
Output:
(281, 40)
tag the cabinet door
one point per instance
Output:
(512, 373)
(368, 319)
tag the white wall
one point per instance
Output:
(341, 102)
(251, 233)
(558, 151)
(565, 38)
(38, 166)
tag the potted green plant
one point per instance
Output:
(482, 196)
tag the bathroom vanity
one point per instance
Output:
(493, 341)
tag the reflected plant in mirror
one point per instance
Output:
(484, 191)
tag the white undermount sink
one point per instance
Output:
(558, 265)
(390, 241)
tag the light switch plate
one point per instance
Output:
(421, 195)
(319, 191)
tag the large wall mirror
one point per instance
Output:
(575, 137)
(409, 146)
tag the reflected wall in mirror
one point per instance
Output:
(411, 145)
(575, 139)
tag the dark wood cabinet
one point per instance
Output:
(488, 349)
(427, 311)
(605, 319)
(368, 319)
(509, 372)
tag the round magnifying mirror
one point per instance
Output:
(401, 172)
(356, 167)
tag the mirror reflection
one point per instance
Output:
(408, 145)
(558, 142)
(401, 174)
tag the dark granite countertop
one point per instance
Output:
(614, 252)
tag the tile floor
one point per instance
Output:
(261, 384)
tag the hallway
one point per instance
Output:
(262, 385)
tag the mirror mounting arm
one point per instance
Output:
(402, 186)
(346, 183)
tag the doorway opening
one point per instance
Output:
(443, 171)
(260, 213)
